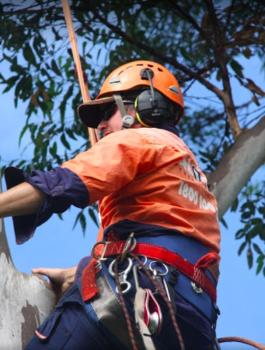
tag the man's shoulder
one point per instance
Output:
(148, 137)
(148, 134)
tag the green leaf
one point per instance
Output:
(62, 107)
(246, 215)
(56, 34)
(53, 149)
(240, 234)
(81, 219)
(235, 205)
(260, 265)
(70, 133)
(241, 248)
(11, 81)
(60, 216)
(253, 232)
(23, 89)
(237, 68)
(25, 128)
(250, 257)
(261, 210)
(65, 142)
(222, 220)
(29, 55)
(93, 216)
(257, 222)
(55, 68)
(248, 206)
(257, 249)
(247, 52)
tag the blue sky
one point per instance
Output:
(56, 244)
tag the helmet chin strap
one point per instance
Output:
(127, 119)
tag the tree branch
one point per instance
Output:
(151, 51)
(238, 165)
(188, 17)
(221, 59)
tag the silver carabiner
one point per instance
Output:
(154, 267)
(122, 275)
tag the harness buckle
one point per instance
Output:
(196, 288)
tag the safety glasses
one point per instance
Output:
(112, 108)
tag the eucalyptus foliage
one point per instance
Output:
(203, 42)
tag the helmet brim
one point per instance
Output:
(92, 112)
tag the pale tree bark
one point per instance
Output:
(25, 300)
(238, 165)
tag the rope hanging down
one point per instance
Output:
(80, 75)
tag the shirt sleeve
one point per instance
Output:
(61, 187)
(105, 168)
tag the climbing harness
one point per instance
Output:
(148, 314)
(106, 249)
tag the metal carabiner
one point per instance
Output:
(157, 271)
(122, 275)
(129, 246)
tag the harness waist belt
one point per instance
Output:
(106, 249)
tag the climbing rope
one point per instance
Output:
(80, 73)
(242, 340)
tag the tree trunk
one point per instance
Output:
(25, 300)
(238, 165)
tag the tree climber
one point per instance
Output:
(150, 282)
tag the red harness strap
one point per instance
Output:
(107, 249)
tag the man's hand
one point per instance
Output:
(59, 279)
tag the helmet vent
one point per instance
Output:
(174, 89)
(115, 80)
(147, 74)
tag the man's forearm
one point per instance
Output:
(20, 200)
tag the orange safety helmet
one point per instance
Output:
(126, 78)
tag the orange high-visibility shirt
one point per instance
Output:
(150, 176)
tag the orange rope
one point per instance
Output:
(80, 75)
(242, 340)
